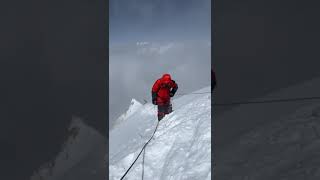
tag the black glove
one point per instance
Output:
(174, 90)
(154, 98)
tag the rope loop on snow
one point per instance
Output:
(144, 146)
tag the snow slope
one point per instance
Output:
(80, 157)
(180, 149)
(272, 141)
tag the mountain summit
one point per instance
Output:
(134, 106)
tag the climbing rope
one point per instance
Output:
(219, 104)
(145, 145)
(295, 99)
(144, 152)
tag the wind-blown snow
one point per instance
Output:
(180, 149)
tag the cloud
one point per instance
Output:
(138, 19)
(135, 67)
(152, 37)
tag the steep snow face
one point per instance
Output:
(180, 149)
(80, 157)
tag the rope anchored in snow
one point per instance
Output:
(143, 148)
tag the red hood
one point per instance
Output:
(166, 78)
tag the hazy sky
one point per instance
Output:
(142, 20)
(152, 37)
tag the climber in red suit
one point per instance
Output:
(162, 91)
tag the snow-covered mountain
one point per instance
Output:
(134, 106)
(180, 149)
(80, 157)
(273, 140)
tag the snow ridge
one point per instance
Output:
(82, 151)
(180, 149)
(134, 106)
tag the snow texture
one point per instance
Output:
(180, 149)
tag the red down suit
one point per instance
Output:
(163, 89)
